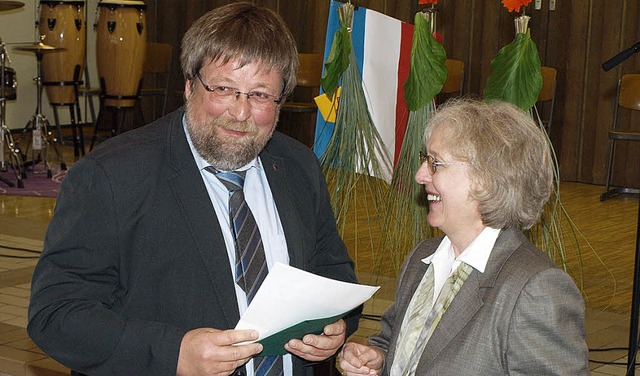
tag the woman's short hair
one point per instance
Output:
(245, 32)
(509, 155)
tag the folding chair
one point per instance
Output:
(628, 98)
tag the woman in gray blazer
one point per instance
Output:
(482, 300)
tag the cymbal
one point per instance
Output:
(10, 5)
(37, 47)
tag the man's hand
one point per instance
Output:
(209, 351)
(358, 359)
(316, 348)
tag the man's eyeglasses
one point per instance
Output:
(433, 163)
(227, 95)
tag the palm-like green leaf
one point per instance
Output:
(338, 59)
(515, 73)
(428, 72)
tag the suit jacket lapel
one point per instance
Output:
(195, 208)
(411, 278)
(462, 309)
(275, 169)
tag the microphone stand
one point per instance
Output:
(635, 300)
(635, 307)
(621, 56)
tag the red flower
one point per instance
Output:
(430, 2)
(515, 5)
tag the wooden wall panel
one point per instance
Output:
(319, 13)
(602, 85)
(598, 31)
(576, 39)
(595, 95)
(554, 54)
(574, 74)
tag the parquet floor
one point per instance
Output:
(600, 253)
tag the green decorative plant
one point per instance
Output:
(355, 157)
(515, 78)
(405, 220)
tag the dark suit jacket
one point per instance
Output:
(522, 316)
(134, 257)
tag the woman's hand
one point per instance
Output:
(357, 359)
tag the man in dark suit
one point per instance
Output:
(138, 275)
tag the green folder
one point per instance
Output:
(274, 344)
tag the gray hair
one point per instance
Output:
(245, 32)
(509, 155)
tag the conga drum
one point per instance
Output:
(120, 50)
(62, 24)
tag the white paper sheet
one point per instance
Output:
(289, 296)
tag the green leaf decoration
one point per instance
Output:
(338, 59)
(405, 221)
(428, 72)
(356, 160)
(515, 73)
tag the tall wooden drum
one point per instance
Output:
(62, 24)
(120, 50)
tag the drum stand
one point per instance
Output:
(76, 121)
(39, 127)
(5, 133)
(7, 139)
(118, 112)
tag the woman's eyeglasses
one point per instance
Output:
(433, 163)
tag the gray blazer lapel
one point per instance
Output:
(462, 309)
(411, 278)
(193, 200)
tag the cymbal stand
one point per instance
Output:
(6, 138)
(39, 127)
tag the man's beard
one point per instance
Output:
(225, 153)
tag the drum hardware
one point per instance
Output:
(6, 138)
(39, 125)
(10, 5)
(77, 133)
(118, 114)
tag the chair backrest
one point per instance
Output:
(310, 70)
(455, 77)
(629, 91)
(547, 96)
(548, 91)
